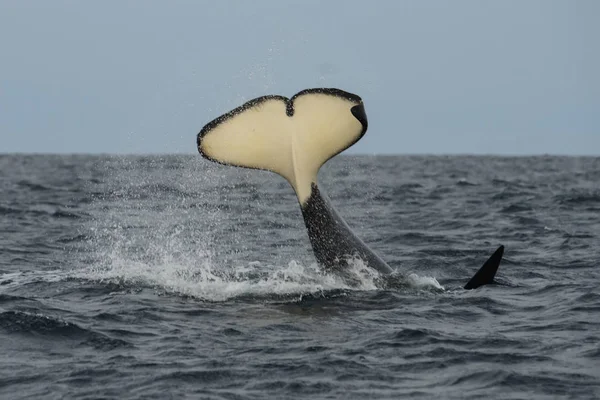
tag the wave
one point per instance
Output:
(44, 210)
(579, 197)
(18, 322)
(465, 182)
(35, 187)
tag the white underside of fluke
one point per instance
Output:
(263, 136)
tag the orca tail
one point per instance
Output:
(486, 273)
(291, 137)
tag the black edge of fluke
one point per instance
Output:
(361, 115)
(486, 273)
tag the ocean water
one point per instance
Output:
(139, 277)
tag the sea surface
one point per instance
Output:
(167, 277)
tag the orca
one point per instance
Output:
(294, 137)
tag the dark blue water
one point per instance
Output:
(171, 277)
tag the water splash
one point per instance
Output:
(198, 276)
(173, 238)
(202, 280)
(424, 282)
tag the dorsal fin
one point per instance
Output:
(486, 273)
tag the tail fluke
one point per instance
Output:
(291, 137)
(486, 273)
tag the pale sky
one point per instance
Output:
(439, 77)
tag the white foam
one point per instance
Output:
(201, 279)
(205, 282)
(424, 282)
(197, 275)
